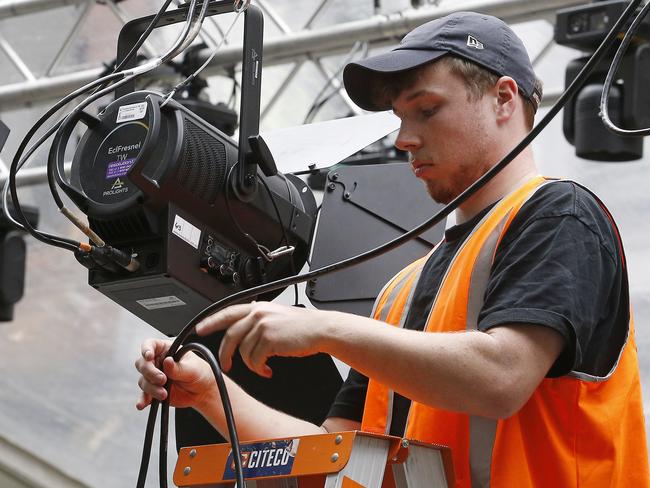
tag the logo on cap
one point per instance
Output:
(474, 42)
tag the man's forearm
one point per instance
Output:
(253, 419)
(473, 372)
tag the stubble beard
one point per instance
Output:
(445, 193)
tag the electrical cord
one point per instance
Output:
(244, 295)
(283, 228)
(18, 162)
(609, 79)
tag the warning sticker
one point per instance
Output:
(186, 231)
(134, 111)
(161, 302)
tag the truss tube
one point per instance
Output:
(31, 176)
(331, 40)
(13, 8)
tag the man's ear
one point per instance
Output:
(507, 92)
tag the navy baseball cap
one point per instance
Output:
(482, 39)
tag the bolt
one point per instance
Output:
(193, 453)
(346, 195)
(405, 443)
(312, 293)
(335, 457)
(187, 470)
(334, 177)
(338, 439)
(331, 187)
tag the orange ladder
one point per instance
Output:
(336, 460)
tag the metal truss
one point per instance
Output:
(294, 48)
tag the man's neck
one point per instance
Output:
(511, 177)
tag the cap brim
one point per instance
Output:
(361, 78)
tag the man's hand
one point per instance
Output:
(192, 378)
(262, 330)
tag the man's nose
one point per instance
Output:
(407, 140)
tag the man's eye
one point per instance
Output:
(429, 112)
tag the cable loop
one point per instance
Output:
(241, 5)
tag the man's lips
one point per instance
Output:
(420, 167)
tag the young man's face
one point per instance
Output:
(447, 135)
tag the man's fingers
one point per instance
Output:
(254, 350)
(150, 372)
(153, 348)
(223, 319)
(155, 391)
(231, 340)
(143, 401)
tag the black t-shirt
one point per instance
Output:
(558, 265)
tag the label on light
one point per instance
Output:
(134, 111)
(186, 231)
(161, 302)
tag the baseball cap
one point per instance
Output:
(482, 39)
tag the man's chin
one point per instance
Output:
(441, 195)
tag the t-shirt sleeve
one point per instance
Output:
(555, 267)
(350, 400)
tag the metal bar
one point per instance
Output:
(14, 8)
(31, 176)
(3, 169)
(273, 15)
(15, 59)
(331, 40)
(282, 88)
(71, 36)
(316, 13)
(334, 81)
(124, 18)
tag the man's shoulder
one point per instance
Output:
(560, 199)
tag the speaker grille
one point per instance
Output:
(202, 169)
(123, 228)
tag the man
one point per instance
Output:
(512, 342)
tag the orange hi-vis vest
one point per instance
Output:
(575, 431)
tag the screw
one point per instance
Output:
(331, 187)
(405, 443)
(338, 439)
(334, 177)
(193, 453)
(187, 470)
(346, 195)
(335, 457)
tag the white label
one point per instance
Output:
(161, 302)
(186, 231)
(135, 111)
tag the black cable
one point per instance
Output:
(284, 238)
(609, 79)
(284, 229)
(146, 448)
(46, 238)
(204, 352)
(17, 162)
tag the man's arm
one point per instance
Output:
(193, 385)
(491, 374)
